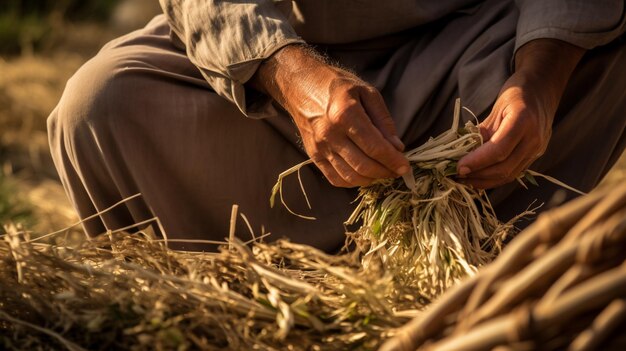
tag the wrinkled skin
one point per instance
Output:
(518, 129)
(344, 123)
(348, 132)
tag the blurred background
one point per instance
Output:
(42, 43)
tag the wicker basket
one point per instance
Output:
(561, 284)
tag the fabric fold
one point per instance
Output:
(227, 40)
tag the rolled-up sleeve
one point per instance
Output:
(227, 40)
(585, 23)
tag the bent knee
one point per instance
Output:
(99, 94)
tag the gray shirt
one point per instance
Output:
(227, 40)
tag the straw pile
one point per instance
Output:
(129, 291)
(560, 285)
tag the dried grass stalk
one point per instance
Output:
(426, 229)
(129, 291)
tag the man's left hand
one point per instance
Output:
(518, 129)
(515, 134)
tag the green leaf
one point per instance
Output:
(530, 178)
(450, 169)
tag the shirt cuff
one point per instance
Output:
(253, 105)
(583, 23)
(227, 40)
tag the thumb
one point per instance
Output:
(376, 109)
(500, 144)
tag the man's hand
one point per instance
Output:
(344, 123)
(518, 129)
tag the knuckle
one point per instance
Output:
(361, 168)
(336, 116)
(352, 131)
(371, 90)
(340, 115)
(316, 156)
(351, 178)
(332, 159)
(322, 139)
(323, 135)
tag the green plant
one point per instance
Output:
(27, 23)
(12, 208)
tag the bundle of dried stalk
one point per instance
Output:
(131, 292)
(560, 285)
(425, 228)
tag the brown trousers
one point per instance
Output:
(139, 118)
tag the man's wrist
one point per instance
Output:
(549, 60)
(546, 66)
(276, 72)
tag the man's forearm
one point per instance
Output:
(550, 62)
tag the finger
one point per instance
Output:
(506, 169)
(488, 183)
(347, 173)
(376, 109)
(496, 150)
(331, 174)
(371, 141)
(362, 163)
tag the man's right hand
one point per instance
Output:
(344, 122)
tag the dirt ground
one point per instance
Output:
(30, 86)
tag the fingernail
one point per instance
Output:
(464, 170)
(403, 170)
(395, 140)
